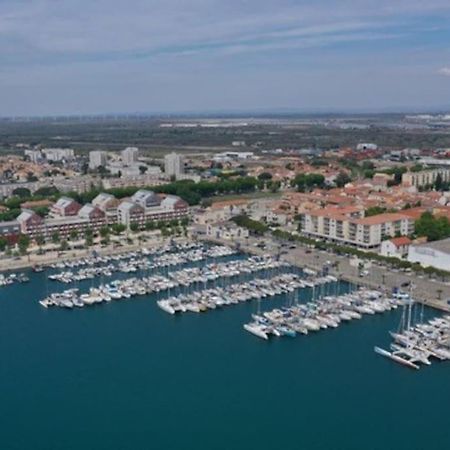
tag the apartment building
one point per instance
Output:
(68, 216)
(97, 158)
(349, 227)
(425, 177)
(173, 165)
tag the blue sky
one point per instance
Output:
(101, 56)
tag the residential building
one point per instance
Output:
(10, 228)
(65, 207)
(396, 247)
(425, 177)
(35, 156)
(97, 158)
(130, 156)
(226, 230)
(347, 226)
(129, 212)
(367, 146)
(95, 216)
(173, 165)
(435, 254)
(30, 223)
(58, 154)
(146, 199)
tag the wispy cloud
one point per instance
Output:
(239, 48)
(444, 71)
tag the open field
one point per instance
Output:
(84, 134)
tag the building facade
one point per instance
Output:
(97, 159)
(173, 165)
(352, 229)
(425, 177)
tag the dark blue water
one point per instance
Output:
(126, 375)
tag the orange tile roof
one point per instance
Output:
(381, 218)
(401, 241)
(225, 203)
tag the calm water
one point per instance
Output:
(128, 376)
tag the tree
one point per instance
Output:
(39, 239)
(55, 237)
(252, 225)
(374, 210)
(89, 240)
(305, 181)
(104, 232)
(265, 176)
(73, 235)
(118, 228)
(3, 243)
(143, 169)
(22, 192)
(134, 227)
(434, 228)
(342, 179)
(46, 191)
(438, 184)
(64, 245)
(23, 243)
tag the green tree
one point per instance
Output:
(118, 228)
(3, 243)
(23, 243)
(73, 235)
(265, 176)
(55, 237)
(342, 179)
(134, 227)
(104, 232)
(22, 192)
(64, 245)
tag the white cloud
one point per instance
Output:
(444, 71)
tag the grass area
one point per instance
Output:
(251, 196)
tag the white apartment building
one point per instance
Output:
(424, 177)
(97, 158)
(173, 165)
(35, 156)
(352, 229)
(58, 154)
(130, 156)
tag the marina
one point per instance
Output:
(323, 313)
(12, 278)
(137, 361)
(417, 342)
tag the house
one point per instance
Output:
(397, 247)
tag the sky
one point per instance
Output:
(61, 57)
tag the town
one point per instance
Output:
(373, 203)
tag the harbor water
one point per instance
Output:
(127, 375)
